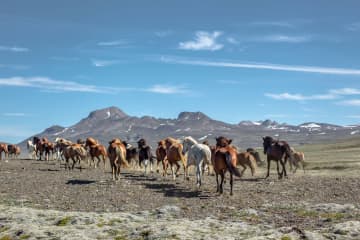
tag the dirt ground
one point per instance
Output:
(44, 185)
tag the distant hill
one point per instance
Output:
(111, 122)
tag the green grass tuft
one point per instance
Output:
(63, 222)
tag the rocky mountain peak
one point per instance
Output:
(110, 112)
(185, 116)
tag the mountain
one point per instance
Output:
(108, 123)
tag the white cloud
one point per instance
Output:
(166, 89)
(232, 40)
(203, 41)
(13, 49)
(345, 91)
(53, 85)
(300, 97)
(112, 43)
(104, 63)
(266, 66)
(353, 102)
(284, 38)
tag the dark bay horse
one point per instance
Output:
(278, 151)
(145, 155)
(224, 158)
(161, 156)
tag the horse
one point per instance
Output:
(76, 152)
(296, 158)
(278, 151)
(3, 148)
(145, 154)
(224, 158)
(31, 149)
(96, 150)
(132, 154)
(247, 159)
(161, 156)
(60, 145)
(198, 154)
(256, 155)
(117, 157)
(173, 155)
(13, 151)
(39, 146)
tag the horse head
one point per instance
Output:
(141, 143)
(223, 141)
(267, 142)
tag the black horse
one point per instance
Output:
(145, 154)
(278, 151)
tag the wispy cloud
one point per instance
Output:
(113, 43)
(353, 27)
(53, 85)
(104, 63)
(13, 49)
(352, 102)
(300, 97)
(15, 114)
(167, 89)
(265, 66)
(203, 41)
(273, 24)
(232, 40)
(345, 91)
(162, 34)
(284, 38)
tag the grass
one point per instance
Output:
(285, 237)
(6, 237)
(63, 222)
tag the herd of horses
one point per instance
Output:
(9, 150)
(220, 158)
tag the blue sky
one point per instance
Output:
(289, 61)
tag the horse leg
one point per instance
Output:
(231, 184)
(222, 175)
(198, 175)
(278, 170)
(268, 167)
(217, 183)
(172, 171)
(242, 171)
(284, 168)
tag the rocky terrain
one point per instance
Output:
(40, 200)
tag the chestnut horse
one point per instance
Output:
(173, 155)
(117, 157)
(76, 152)
(161, 156)
(96, 150)
(278, 151)
(3, 148)
(247, 159)
(224, 158)
(13, 151)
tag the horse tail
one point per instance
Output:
(230, 166)
(253, 165)
(123, 157)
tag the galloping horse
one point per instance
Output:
(224, 158)
(39, 143)
(132, 155)
(3, 148)
(173, 155)
(145, 154)
(297, 157)
(117, 156)
(96, 150)
(246, 158)
(256, 155)
(31, 149)
(76, 152)
(278, 151)
(197, 154)
(13, 151)
(161, 156)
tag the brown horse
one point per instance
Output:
(43, 146)
(13, 151)
(278, 151)
(96, 150)
(256, 155)
(76, 152)
(117, 157)
(3, 148)
(173, 155)
(247, 159)
(161, 156)
(224, 158)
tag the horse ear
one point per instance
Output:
(263, 138)
(230, 140)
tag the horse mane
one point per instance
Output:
(191, 139)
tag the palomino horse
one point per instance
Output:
(3, 148)
(145, 154)
(76, 152)
(247, 159)
(117, 157)
(173, 155)
(161, 156)
(197, 154)
(13, 151)
(224, 158)
(31, 149)
(96, 150)
(278, 151)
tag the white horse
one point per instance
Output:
(31, 149)
(197, 154)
